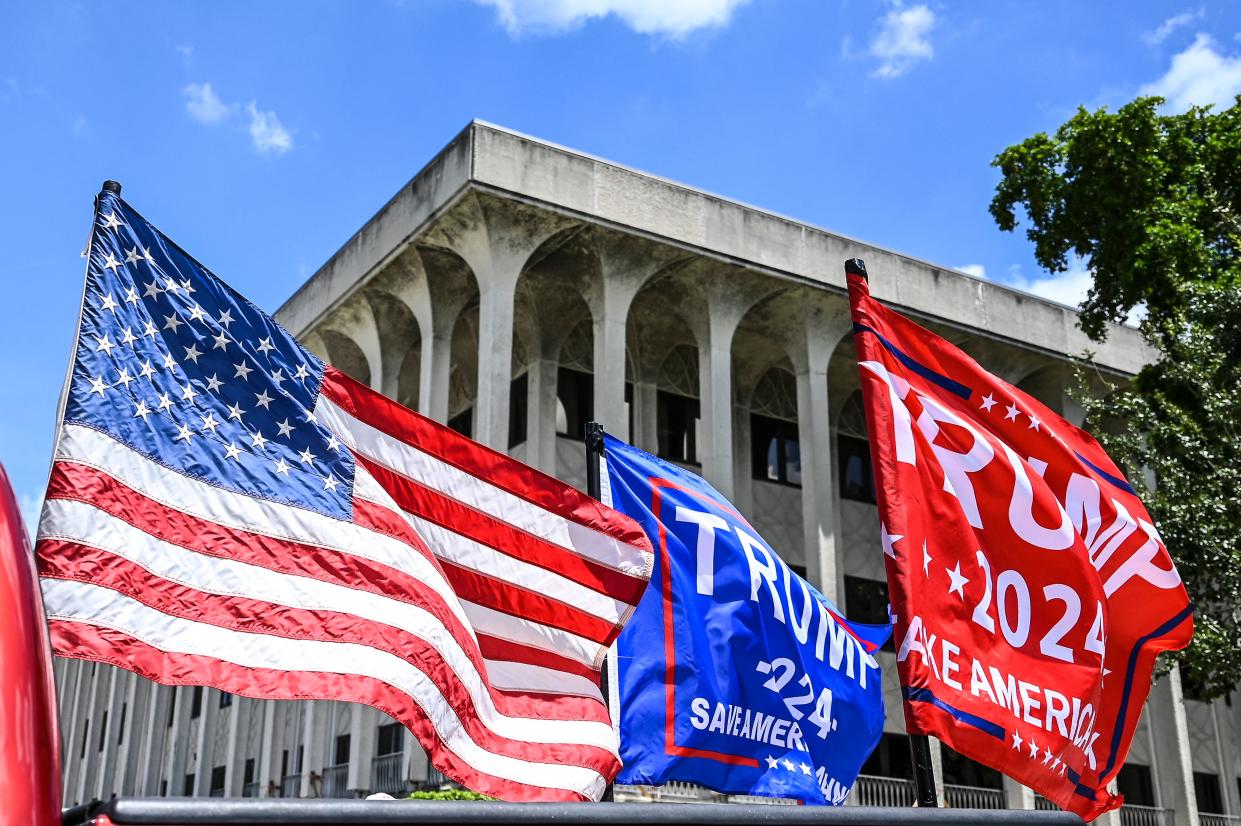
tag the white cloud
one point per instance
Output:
(204, 105)
(1170, 25)
(902, 40)
(268, 134)
(1198, 76)
(976, 270)
(1069, 287)
(187, 54)
(674, 18)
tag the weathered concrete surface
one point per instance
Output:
(507, 165)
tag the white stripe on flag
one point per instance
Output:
(92, 604)
(481, 495)
(79, 522)
(178, 492)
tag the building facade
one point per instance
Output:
(516, 290)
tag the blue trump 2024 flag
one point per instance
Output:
(735, 673)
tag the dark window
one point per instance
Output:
(85, 737)
(800, 570)
(163, 788)
(188, 789)
(217, 780)
(856, 481)
(1208, 792)
(1134, 782)
(575, 402)
(284, 763)
(341, 753)
(775, 453)
(103, 730)
(247, 774)
(517, 424)
(172, 707)
(301, 750)
(120, 738)
(677, 425)
(196, 702)
(226, 699)
(463, 422)
(866, 600)
(390, 739)
(959, 770)
(890, 758)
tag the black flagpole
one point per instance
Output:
(919, 744)
(594, 489)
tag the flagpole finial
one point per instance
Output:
(856, 266)
(112, 186)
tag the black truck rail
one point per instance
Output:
(213, 812)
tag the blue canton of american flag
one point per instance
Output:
(214, 387)
(224, 509)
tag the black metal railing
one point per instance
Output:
(291, 785)
(335, 781)
(897, 792)
(974, 797)
(386, 775)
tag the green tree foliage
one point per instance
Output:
(1151, 203)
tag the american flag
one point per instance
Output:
(224, 509)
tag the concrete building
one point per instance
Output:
(516, 289)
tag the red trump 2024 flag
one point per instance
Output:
(1031, 590)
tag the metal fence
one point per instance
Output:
(250, 790)
(1215, 819)
(1145, 816)
(291, 785)
(974, 797)
(386, 775)
(883, 791)
(335, 782)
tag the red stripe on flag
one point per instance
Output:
(80, 483)
(507, 598)
(480, 461)
(85, 564)
(429, 504)
(91, 642)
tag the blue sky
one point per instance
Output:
(262, 135)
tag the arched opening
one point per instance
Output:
(346, 356)
(463, 372)
(678, 413)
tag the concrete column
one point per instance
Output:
(541, 415)
(179, 737)
(434, 373)
(239, 722)
(1227, 758)
(72, 691)
(136, 737)
(937, 770)
(312, 748)
(155, 733)
(1017, 796)
(609, 354)
(715, 392)
(810, 361)
(646, 416)
(270, 747)
(106, 773)
(206, 742)
(1173, 764)
(495, 359)
(97, 675)
(361, 747)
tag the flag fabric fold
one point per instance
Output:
(224, 509)
(1030, 589)
(735, 673)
